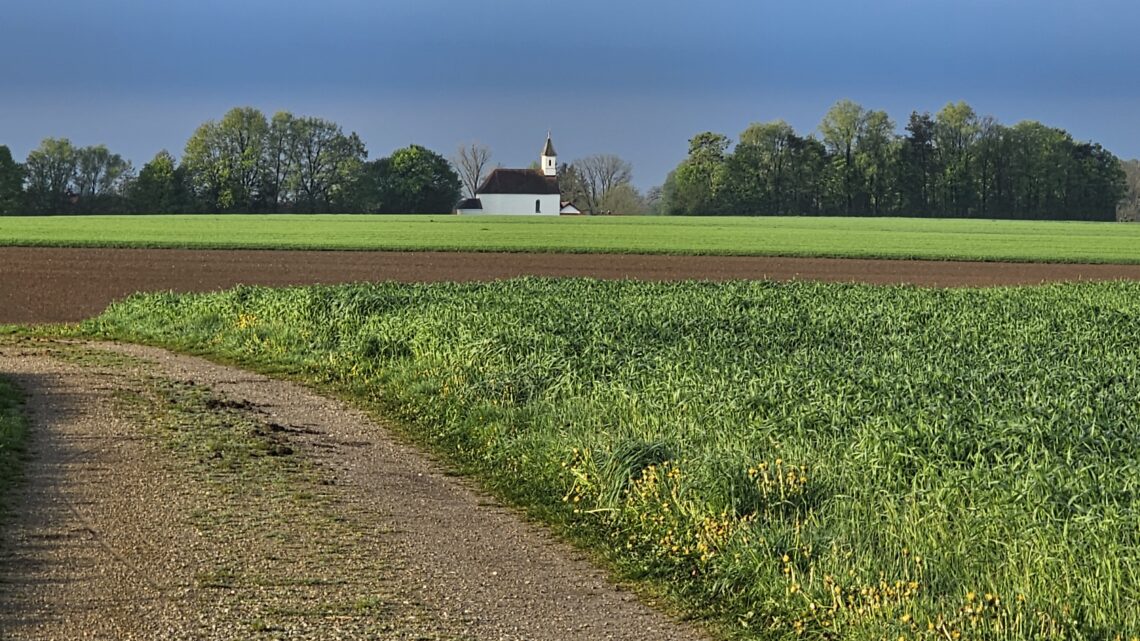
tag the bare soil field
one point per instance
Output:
(46, 285)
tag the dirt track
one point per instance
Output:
(39, 285)
(127, 527)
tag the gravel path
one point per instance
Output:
(124, 531)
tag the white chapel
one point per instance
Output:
(521, 191)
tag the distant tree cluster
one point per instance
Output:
(244, 163)
(601, 184)
(59, 176)
(952, 164)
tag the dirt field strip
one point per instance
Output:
(141, 519)
(46, 285)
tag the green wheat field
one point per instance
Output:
(1026, 241)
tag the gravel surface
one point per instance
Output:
(48, 285)
(128, 529)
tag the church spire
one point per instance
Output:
(549, 158)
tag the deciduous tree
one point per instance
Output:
(919, 170)
(697, 185)
(324, 163)
(226, 161)
(160, 187)
(599, 175)
(841, 127)
(51, 171)
(414, 180)
(472, 161)
(623, 200)
(279, 145)
(956, 131)
(877, 159)
(11, 183)
(100, 179)
(758, 171)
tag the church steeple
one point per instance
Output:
(549, 158)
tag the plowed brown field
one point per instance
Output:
(45, 285)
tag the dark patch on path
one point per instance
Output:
(48, 285)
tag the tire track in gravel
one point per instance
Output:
(442, 559)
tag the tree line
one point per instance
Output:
(244, 162)
(952, 164)
(248, 163)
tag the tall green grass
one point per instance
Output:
(797, 460)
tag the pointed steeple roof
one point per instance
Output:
(548, 150)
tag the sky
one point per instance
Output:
(635, 78)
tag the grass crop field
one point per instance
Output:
(823, 461)
(1028, 241)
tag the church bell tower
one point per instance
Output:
(549, 159)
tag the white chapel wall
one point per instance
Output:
(520, 204)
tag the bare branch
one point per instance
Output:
(599, 175)
(471, 161)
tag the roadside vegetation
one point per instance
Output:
(13, 433)
(942, 239)
(795, 460)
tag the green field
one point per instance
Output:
(1040, 241)
(795, 460)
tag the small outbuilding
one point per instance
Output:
(568, 209)
(469, 206)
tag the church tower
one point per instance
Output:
(549, 158)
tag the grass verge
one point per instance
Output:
(828, 461)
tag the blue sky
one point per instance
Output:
(635, 78)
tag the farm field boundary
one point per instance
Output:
(47, 285)
(898, 238)
(822, 460)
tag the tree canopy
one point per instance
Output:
(11, 182)
(61, 178)
(951, 164)
(954, 163)
(413, 180)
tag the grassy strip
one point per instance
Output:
(822, 460)
(902, 238)
(13, 434)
